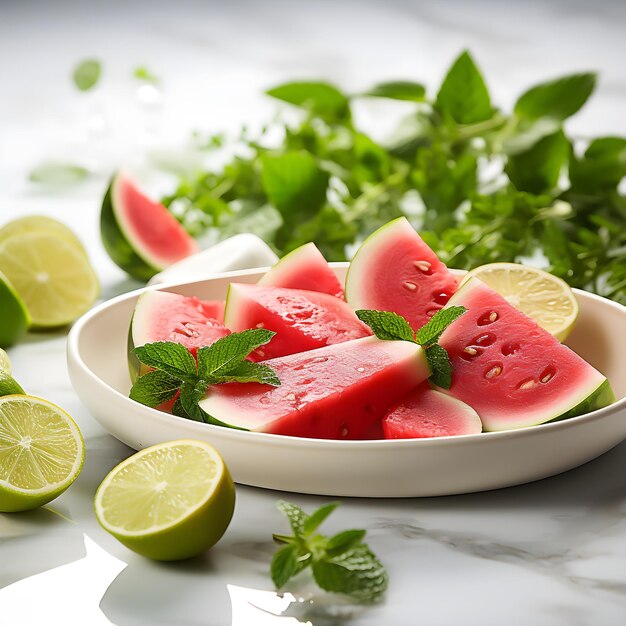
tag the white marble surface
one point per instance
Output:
(550, 553)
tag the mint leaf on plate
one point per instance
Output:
(249, 372)
(386, 325)
(154, 388)
(440, 366)
(170, 357)
(433, 329)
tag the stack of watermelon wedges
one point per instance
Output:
(338, 381)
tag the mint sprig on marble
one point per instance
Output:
(393, 327)
(342, 563)
(176, 370)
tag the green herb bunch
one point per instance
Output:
(481, 185)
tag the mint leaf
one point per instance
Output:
(440, 366)
(538, 169)
(179, 411)
(433, 329)
(296, 516)
(320, 98)
(356, 572)
(463, 95)
(154, 388)
(86, 74)
(398, 90)
(344, 540)
(559, 98)
(601, 168)
(190, 396)
(316, 518)
(173, 358)
(249, 372)
(386, 325)
(284, 565)
(227, 353)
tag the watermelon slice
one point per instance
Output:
(164, 316)
(514, 373)
(304, 268)
(394, 270)
(303, 320)
(141, 236)
(335, 392)
(425, 412)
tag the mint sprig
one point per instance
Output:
(393, 327)
(177, 372)
(342, 563)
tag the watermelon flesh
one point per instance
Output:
(304, 268)
(302, 320)
(394, 270)
(511, 371)
(164, 316)
(141, 235)
(425, 412)
(337, 392)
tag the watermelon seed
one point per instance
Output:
(260, 325)
(547, 375)
(487, 318)
(510, 348)
(423, 266)
(360, 369)
(440, 298)
(407, 284)
(484, 340)
(471, 351)
(527, 384)
(494, 371)
(344, 431)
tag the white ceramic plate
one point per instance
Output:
(97, 361)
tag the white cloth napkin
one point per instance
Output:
(240, 252)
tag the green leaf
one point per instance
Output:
(53, 173)
(294, 184)
(170, 357)
(320, 98)
(312, 523)
(463, 95)
(559, 98)
(190, 396)
(86, 74)
(154, 388)
(398, 90)
(284, 565)
(356, 572)
(345, 540)
(386, 324)
(537, 170)
(528, 133)
(296, 516)
(141, 72)
(440, 366)
(178, 410)
(430, 332)
(249, 372)
(220, 358)
(602, 167)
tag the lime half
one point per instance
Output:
(5, 363)
(14, 317)
(540, 295)
(41, 224)
(168, 502)
(41, 452)
(53, 277)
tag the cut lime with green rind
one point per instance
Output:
(117, 245)
(40, 224)
(8, 385)
(52, 277)
(41, 452)
(5, 362)
(14, 317)
(170, 501)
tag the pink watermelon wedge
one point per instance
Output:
(140, 235)
(304, 268)
(511, 371)
(394, 270)
(336, 392)
(425, 412)
(164, 316)
(302, 320)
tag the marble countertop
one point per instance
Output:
(552, 552)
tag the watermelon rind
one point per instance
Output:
(295, 270)
(117, 244)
